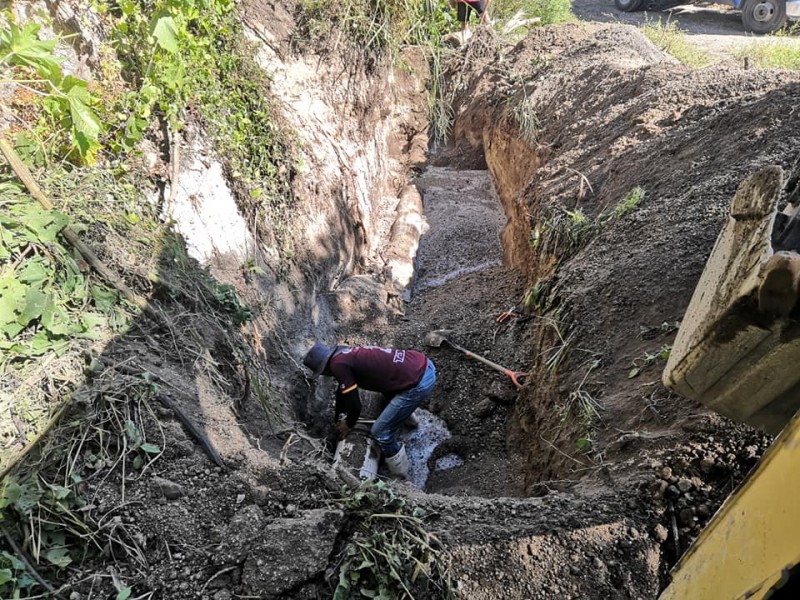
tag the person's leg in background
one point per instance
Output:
(463, 14)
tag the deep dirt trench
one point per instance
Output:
(542, 497)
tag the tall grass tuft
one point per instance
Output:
(778, 53)
(549, 11)
(672, 40)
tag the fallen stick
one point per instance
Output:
(201, 438)
(193, 429)
(29, 566)
(69, 234)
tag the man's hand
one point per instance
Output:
(342, 428)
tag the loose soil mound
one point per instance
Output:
(604, 113)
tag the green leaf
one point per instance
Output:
(59, 491)
(366, 564)
(633, 372)
(23, 47)
(16, 563)
(56, 321)
(138, 462)
(84, 120)
(27, 499)
(134, 435)
(5, 576)
(33, 273)
(124, 593)
(12, 302)
(104, 298)
(90, 323)
(42, 344)
(150, 448)
(128, 7)
(166, 33)
(59, 557)
(44, 224)
(35, 303)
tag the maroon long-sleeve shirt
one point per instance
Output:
(385, 370)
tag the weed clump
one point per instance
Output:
(550, 12)
(777, 53)
(672, 40)
(390, 554)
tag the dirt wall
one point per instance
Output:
(611, 113)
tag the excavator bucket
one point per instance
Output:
(738, 346)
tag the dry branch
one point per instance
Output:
(29, 566)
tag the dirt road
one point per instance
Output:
(716, 28)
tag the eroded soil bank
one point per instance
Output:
(591, 480)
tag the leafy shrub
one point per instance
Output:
(64, 101)
(390, 555)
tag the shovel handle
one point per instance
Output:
(517, 377)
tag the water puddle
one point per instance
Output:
(441, 280)
(420, 444)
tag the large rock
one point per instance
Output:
(290, 552)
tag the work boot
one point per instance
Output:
(398, 464)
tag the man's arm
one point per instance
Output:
(348, 403)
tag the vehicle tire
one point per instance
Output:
(629, 5)
(763, 16)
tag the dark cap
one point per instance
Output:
(316, 358)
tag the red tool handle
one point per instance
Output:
(518, 377)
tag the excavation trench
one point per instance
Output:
(532, 493)
(461, 286)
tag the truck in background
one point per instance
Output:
(758, 16)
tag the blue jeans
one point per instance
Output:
(385, 428)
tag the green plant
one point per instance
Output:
(564, 231)
(549, 12)
(541, 296)
(557, 354)
(629, 203)
(581, 403)
(65, 101)
(648, 359)
(390, 554)
(185, 56)
(778, 53)
(672, 40)
(383, 27)
(53, 513)
(46, 300)
(44, 503)
(527, 120)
